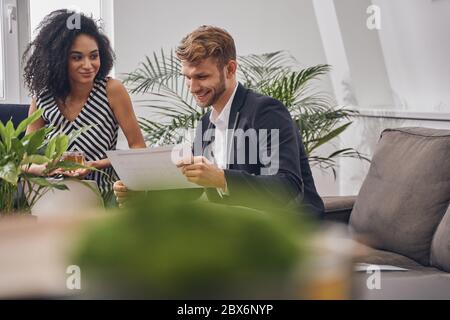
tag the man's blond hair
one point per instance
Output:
(205, 42)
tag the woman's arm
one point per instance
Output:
(120, 103)
(122, 108)
(38, 123)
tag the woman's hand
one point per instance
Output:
(36, 169)
(78, 173)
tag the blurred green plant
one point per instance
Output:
(163, 246)
(19, 189)
(275, 74)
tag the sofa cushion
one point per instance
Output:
(440, 247)
(382, 257)
(406, 192)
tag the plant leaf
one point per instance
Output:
(10, 172)
(51, 147)
(330, 135)
(35, 158)
(34, 140)
(61, 144)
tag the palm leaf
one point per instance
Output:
(317, 142)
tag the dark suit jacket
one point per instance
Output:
(291, 185)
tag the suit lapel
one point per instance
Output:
(236, 105)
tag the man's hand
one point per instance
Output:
(121, 193)
(201, 171)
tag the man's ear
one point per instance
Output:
(231, 68)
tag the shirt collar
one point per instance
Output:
(222, 118)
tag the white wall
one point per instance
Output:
(415, 38)
(402, 66)
(258, 26)
(331, 37)
(368, 84)
(142, 26)
(402, 69)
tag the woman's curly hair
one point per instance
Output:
(46, 58)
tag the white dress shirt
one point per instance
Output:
(220, 133)
(220, 121)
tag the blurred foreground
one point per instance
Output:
(167, 247)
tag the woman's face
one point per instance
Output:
(84, 60)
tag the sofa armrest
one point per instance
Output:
(338, 208)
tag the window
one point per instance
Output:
(2, 62)
(9, 53)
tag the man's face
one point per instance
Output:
(205, 81)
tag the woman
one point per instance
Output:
(66, 71)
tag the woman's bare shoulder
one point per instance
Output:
(114, 85)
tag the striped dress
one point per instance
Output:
(101, 137)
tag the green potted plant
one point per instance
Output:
(19, 190)
(162, 246)
(276, 74)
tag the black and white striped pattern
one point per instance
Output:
(101, 137)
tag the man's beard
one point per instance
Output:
(218, 91)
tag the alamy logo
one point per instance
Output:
(374, 280)
(73, 281)
(247, 147)
(74, 21)
(374, 20)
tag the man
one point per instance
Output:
(247, 149)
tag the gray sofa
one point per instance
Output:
(402, 212)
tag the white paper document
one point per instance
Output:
(363, 267)
(151, 168)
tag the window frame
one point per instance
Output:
(2, 57)
(11, 57)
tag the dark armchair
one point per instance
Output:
(16, 112)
